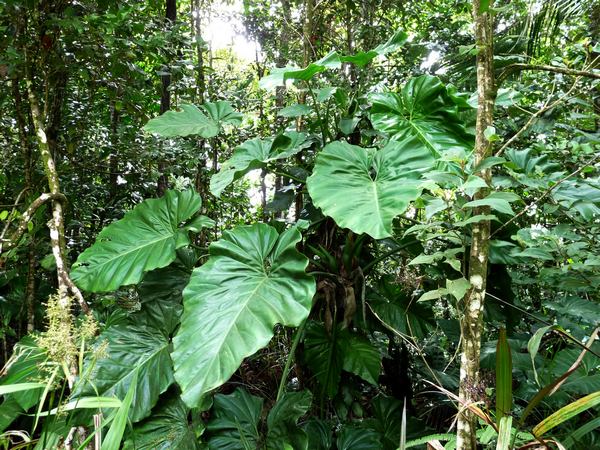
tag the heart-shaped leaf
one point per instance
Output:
(222, 112)
(145, 239)
(365, 189)
(189, 121)
(423, 110)
(253, 279)
(205, 121)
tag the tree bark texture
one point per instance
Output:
(471, 320)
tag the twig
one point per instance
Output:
(9, 220)
(26, 218)
(534, 116)
(519, 67)
(546, 193)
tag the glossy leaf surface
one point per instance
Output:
(360, 356)
(166, 429)
(145, 239)
(282, 421)
(324, 357)
(234, 422)
(422, 110)
(254, 279)
(355, 438)
(160, 295)
(130, 348)
(365, 189)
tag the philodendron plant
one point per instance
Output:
(200, 318)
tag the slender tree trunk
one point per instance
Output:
(309, 51)
(471, 321)
(197, 21)
(283, 56)
(308, 55)
(165, 97)
(31, 250)
(56, 224)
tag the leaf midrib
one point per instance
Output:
(124, 254)
(217, 355)
(164, 345)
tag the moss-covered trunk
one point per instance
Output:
(471, 322)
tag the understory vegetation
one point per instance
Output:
(364, 224)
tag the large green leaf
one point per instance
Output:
(356, 438)
(254, 279)
(360, 356)
(396, 309)
(254, 154)
(130, 347)
(320, 436)
(222, 112)
(365, 189)
(166, 429)
(234, 422)
(333, 60)
(566, 413)
(145, 239)
(361, 59)
(160, 294)
(278, 76)
(24, 367)
(387, 420)
(324, 356)
(205, 121)
(282, 421)
(425, 111)
(9, 411)
(190, 120)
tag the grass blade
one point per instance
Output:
(17, 387)
(115, 433)
(504, 433)
(503, 377)
(566, 412)
(85, 403)
(403, 428)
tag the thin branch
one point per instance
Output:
(56, 224)
(6, 245)
(10, 216)
(513, 68)
(546, 193)
(534, 116)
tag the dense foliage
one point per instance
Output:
(378, 231)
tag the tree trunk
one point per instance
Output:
(197, 21)
(471, 321)
(165, 97)
(27, 165)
